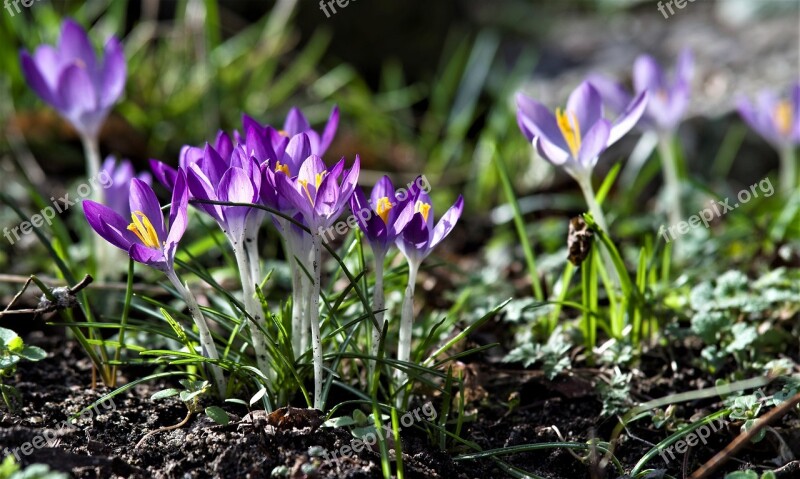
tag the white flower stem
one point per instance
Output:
(585, 183)
(788, 171)
(209, 349)
(102, 250)
(672, 182)
(406, 323)
(378, 304)
(253, 308)
(316, 340)
(91, 148)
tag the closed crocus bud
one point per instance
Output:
(72, 79)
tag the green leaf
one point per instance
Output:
(166, 393)
(33, 353)
(6, 336)
(218, 415)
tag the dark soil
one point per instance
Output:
(252, 445)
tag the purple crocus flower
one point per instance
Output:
(295, 124)
(376, 217)
(316, 192)
(236, 179)
(146, 238)
(775, 119)
(119, 176)
(414, 226)
(576, 136)
(69, 77)
(668, 97)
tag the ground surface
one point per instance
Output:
(103, 445)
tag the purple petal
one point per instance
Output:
(628, 118)
(149, 256)
(248, 122)
(201, 188)
(647, 75)
(684, 68)
(49, 63)
(289, 191)
(329, 132)
(550, 152)
(613, 94)
(37, 81)
(213, 165)
(311, 167)
(349, 181)
(296, 122)
(795, 102)
(113, 74)
(74, 44)
(165, 174)
(77, 96)
(536, 120)
(298, 149)
(326, 200)
(142, 198)
(587, 106)
(237, 187)
(178, 218)
(594, 143)
(108, 224)
(223, 144)
(368, 220)
(447, 222)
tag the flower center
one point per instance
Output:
(143, 229)
(282, 167)
(423, 208)
(317, 182)
(283, 133)
(383, 207)
(783, 117)
(568, 124)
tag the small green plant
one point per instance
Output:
(191, 396)
(553, 355)
(12, 350)
(9, 469)
(750, 474)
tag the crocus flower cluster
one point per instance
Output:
(234, 180)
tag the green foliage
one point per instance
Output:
(552, 355)
(12, 351)
(9, 469)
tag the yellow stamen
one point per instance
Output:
(317, 181)
(282, 167)
(568, 124)
(283, 133)
(383, 207)
(423, 208)
(143, 229)
(784, 117)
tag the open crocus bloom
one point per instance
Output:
(295, 124)
(667, 98)
(416, 233)
(575, 136)
(119, 175)
(774, 118)
(376, 218)
(316, 192)
(81, 87)
(145, 237)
